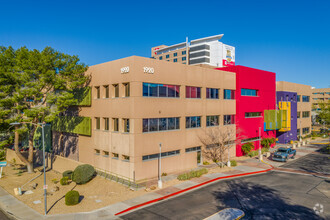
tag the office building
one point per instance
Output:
(207, 51)
(296, 100)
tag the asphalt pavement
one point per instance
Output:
(273, 195)
(315, 163)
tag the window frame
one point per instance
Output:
(116, 90)
(209, 120)
(198, 92)
(97, 123)
(127, 89)
(212, 91)
(190, 122)
(106, 124)
(258, 116)
(115, 123)
(251, 90)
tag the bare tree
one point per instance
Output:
(217, 142)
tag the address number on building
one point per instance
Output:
(149, 70)
(124, 69)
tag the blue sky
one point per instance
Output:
(291, 38)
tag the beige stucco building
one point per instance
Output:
(139, 103)
(320, 95)
(304, 104)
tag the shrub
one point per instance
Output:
(83, 173)
(253, 153)
(68, 173)
(247, 147)
(54, 181)
(164, 174)
(233, 163)
(192, 174)
(72, 198)
(64, 181)
(267, 142)
(2, 155)
(206, 163)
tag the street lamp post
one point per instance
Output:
(260, 155)
(160, 184)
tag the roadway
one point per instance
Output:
(273, 195)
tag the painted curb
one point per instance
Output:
(190, 188)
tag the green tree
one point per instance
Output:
(324, 113)
(35, 86)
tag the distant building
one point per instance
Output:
(319, 96)
(297, 97)
(208, 50)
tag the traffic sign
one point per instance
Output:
(3, 164)
(45, 186)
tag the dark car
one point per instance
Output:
(283, 154)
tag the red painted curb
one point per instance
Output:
(192, 187)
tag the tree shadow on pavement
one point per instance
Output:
(314, 163)
(261, 202)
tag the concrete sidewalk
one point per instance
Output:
(13, 207)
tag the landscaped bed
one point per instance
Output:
(95, 194)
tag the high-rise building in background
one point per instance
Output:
(208, 50)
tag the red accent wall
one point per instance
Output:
(265, 83)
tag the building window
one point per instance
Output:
(164, 154)
(97, 151)
(228, 94)
(250, 139)
(175, 60)
(298, 98)
(252, 114)
(127, 89)
(212, 120)
(193, 92)
(106, 91)
(249, 92)
(298, 114)
(305, 130)
(126, 125)
(160, 124)
(184, 52)
(228, 119)
(212, 93)
(115, 124)
(125, 158)
(115, 156)
(160, 57)
(305, 98)
(106, 124)
(175, 54)
(184, 58)
(193, 149)
(105, 153)
(97, 123)
(98, 92)
(305, 114)
(161, 90)
(116, 90)
(193, 122)
(298, 132)
(167, 56)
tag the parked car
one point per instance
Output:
(283, 154)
